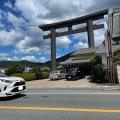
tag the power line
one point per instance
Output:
(18, 26)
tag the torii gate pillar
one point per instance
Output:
(90, 33)
(53, 49)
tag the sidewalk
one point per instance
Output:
(46, 83)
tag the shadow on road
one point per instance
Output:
(13, 97)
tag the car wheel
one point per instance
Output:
(77, 77)
(59, 77)
(83, 76)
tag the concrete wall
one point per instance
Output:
(117, 73)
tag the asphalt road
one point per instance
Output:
(62, 104)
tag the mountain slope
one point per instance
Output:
(6, 64)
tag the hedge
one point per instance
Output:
(45, 74)
(26, 76)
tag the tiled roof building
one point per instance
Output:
(81, 57)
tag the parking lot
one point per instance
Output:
(47, 83)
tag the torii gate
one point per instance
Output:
(69, 23)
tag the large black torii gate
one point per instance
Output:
(69, 23)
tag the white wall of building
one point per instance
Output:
(104, 59)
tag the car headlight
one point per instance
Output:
(7, 81)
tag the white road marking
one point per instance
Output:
(65, 93)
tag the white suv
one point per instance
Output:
(10, 85)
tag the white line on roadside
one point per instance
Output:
(65, 93)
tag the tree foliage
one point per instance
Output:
(116, 55)
(15, 69)
(100, 73)
(97, 59)
(38, 72)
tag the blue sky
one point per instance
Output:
(26, 43)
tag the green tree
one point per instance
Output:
(38, 72)
(99, 72)
(97, 59)
(116, 55)
(19, 68)
(15, 69)
(10, 70)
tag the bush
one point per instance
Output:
(100, 73)
(38, 72)
(45, 74)
(117, 63)
(45, 70)
(26, 76)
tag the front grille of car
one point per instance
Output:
(69, 75)
(19, 83)
(17, 90)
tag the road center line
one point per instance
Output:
(60, 109)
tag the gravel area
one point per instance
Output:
(47, 83)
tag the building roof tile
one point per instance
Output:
(85, 51)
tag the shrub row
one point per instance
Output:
(45, 74)
(30, 76)
(26, 76)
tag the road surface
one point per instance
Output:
(62, 104)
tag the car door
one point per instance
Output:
(63, 74)
(60, 74)
(79, 73)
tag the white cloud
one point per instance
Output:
(29, 45)
(3, 54)
(42, 60)
(80, 45)
(0, 13)
(63, 41)
(8, 59)
(29, 40)
(8, 4)
(15, 58)
(99, 37)
(58, 56)
(15, 20)
(1, 25)
(32, 9)
(9, 38)
(81, 36)
(29, 58)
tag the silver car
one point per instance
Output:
(10, 85)
(58, 74)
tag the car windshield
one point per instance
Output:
(3, 75)
(72, 70)
(53, 72)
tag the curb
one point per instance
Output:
(111, 89)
